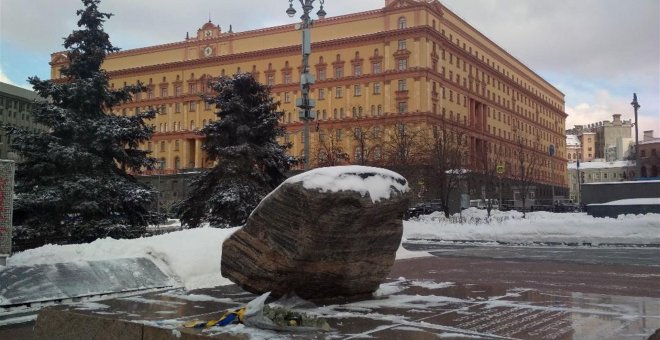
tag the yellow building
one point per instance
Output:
(413, 61)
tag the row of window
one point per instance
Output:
(176, 126)
(165, 109)
(357, 91)
(502, 70)
(16, 104)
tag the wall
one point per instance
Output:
(608, 192)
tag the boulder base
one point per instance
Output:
(317, 243)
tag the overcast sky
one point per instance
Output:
(597, 52)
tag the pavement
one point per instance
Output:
(460, 292)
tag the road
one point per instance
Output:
(632, 256)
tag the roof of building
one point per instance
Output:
(650, 141)
(18, 91)
(572, 140)
(601, 165)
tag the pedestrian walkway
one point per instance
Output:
(425, 298)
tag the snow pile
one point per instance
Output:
(191, 256)
(378, 182)
(537, 227)
(634, 201)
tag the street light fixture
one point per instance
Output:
(305, 104)
(638, 166)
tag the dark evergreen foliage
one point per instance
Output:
(72, 183)
(250, 162)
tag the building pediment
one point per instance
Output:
(434, 5)
(209, 31)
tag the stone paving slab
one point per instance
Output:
(402, 309)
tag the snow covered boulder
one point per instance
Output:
(325, 233)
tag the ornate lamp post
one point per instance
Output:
(305, 104)
(638, 166)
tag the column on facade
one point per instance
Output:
(482, 116)
(169, 158)
(387, 96)
(414, 97)
(198, 153)
(420, 52)
(185, 154)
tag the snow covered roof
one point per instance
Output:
(378, 182)
(634, 201)
(572, 140)
(601, 165)
(650, 141)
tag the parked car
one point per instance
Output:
(423, 208)
(483, 204)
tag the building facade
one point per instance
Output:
(573, 148)
(597, 172)
(649, 155)
(413, 63)
(606, 140)
(16, 106)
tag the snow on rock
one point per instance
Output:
(377, 182)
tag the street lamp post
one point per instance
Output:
(638, 166)
(161, 165)
(305, 104)
(551, 152)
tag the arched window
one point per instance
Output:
(373, 110)
(203, 122)
(192, 125)
(177, 162)
(360, 111)
(335, 114)
(354, 112)
(341, 113)
(402, 23)
(380, 109)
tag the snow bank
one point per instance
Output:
(191, 256)
(634, 201)
(538, 227)
(378, 182)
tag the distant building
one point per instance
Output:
(410, 64)
(573, 148)
(588, 143)
(607, 140)
(16, 105)
(648, 155)
(598, 172)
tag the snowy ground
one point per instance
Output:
(192, 256)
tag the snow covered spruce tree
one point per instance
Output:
(250, 162)
(72, 183)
